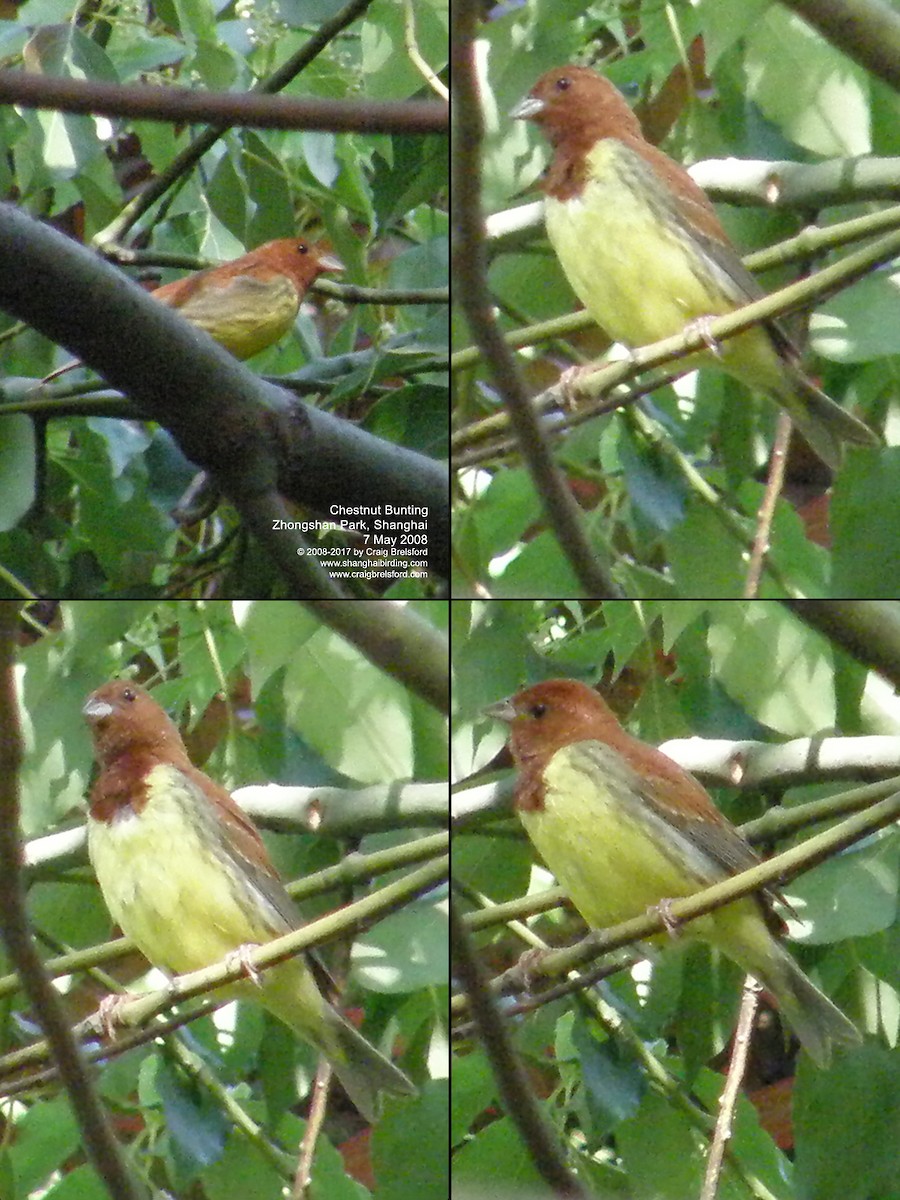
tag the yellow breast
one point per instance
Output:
(607, 848)
(167, 883)
(637, 274)
(247, 314)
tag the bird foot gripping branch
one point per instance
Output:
(673, 925)
(241, 958)
(108, 1014)
(568, 385)
(250, 303)
(527, 966)
(702, 326)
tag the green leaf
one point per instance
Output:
(390, 72)
(806, 86)
(841, 1159)
(416, 172)
(45, 1137)
(194, 1121)
(861, 322)
(406, 951)
(409, 1147)
(852, 895)
(864, 527)
(18, 465)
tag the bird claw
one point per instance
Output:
(527, 964)
(241, 956)
(107, 1014)
(701, 326)
(671, 923)
(568, 386)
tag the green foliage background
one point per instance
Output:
(380, 199)
(633, 1114)
(314, 712)
(774, 89)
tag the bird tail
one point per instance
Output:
(363, 1070)
(823, 423)
(818, 1023)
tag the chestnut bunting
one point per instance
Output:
(250, 303)
(623, 828)
(186, 875)
(644, 251)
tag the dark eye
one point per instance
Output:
(538, 710)
(129, 694)
(563, 84)
(302, 248)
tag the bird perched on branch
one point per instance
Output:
(250, 303)
(185, 874)
(623, 828)
(644, 251)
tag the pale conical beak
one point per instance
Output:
(503, 710)
(527, 108)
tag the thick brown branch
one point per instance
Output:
(254, 437)
(223, 109)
